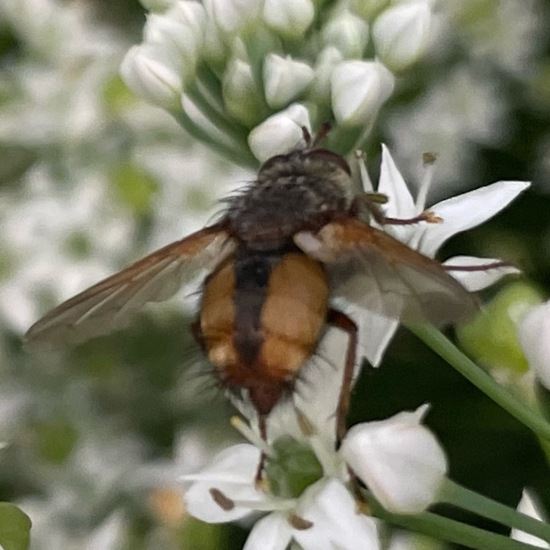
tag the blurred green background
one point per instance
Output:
(91, 178)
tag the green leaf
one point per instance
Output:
(15, 527)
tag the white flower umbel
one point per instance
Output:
(401, 33)
(458, 214)
(399, 460)
(272, 35)
(359, 88)
(528, 506)
(534, 337)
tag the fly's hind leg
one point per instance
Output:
(340, 320)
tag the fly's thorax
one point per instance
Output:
(292, 192)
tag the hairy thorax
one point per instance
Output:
(292, 193)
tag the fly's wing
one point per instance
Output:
(375, 271)
(108, 304)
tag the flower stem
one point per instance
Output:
(477, 376)
(243, 158)
(455, 494)
(448, 530)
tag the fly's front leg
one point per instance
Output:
(340, 320)
(370, 202)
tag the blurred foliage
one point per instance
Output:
(93, 430)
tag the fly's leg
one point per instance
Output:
(340, 320)
(370, 202)
(262, 428)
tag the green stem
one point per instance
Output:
(455, 494)
(477, 376)
(448, 530)
(238, 157)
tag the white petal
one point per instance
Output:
(336, 522)
(530, 508)
(232, 472)
(400, 201)
(279, 133)
(359, 88)
(478, 280)
(375, 334)
(534, 337)
(468, 210)
(400, 461)
(270, 533)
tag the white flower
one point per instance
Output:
(231, 16)
(347, 32)
(458, 214)
(290, 18)
(149, 73)
(401, 33)
(529, 507)
(324, 514)
(534, 337)
(279, 133)
(284, 79)
(399, 460)
(359, 88)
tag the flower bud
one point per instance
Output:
(148, 71)
(290, 18)
(284, 79)
(401, 34)
(359, 88)
(164, 32)
(159, 6)
(368, 9)
(279, 133)
(191, 15)
(231, 16)
(347, 32)
(327, 60)
(534, 338)
(240, 95)
(399, 460)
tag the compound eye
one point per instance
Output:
(325, 155)
(272, 161)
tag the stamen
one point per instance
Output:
(248, 433)
(363, 174)
(299, 523)
(428, 160)
(224, 502)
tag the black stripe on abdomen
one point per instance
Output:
(252, 271)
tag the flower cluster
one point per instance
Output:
(311, 498)
(230, 69)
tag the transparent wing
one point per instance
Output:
(372, 269)
(108, 304)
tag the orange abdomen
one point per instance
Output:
(260, 318)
